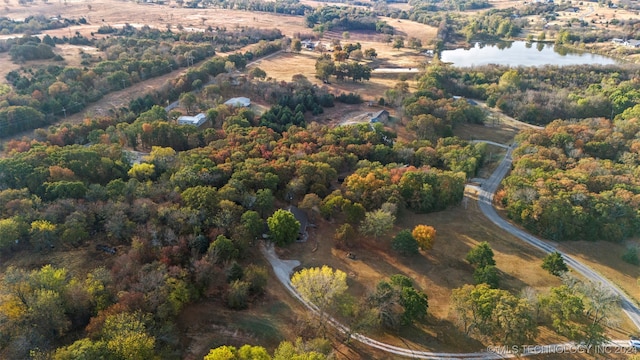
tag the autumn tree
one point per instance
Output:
(425, 236)
(322, 287)
(283, 226)
(142, 171)
(42, 234)
(370, 53)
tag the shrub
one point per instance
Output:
(631, 256)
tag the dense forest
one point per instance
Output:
(577, 180)
(184, 219)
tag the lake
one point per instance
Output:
(521, 53)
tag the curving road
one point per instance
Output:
(485, 202)
(284, 268)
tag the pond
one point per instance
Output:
(521, 53)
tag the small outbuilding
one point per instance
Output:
(238, 102)
(380, 116)
(196, 121)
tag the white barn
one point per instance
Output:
(196, 121)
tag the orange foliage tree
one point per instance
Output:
(425, 236)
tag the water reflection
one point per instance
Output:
(521, 53)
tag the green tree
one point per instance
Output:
(487, 275)
(397, 302)
(84, 349)
(222, 353)
(554, 264)
(238, 295)
(483, 311)
(252, 222)
(223, 249)
(398, 43)
(630, 255)
(264, 201)
(481, 255)
(234, 272)
(377, 223)
(283, 226)
(325, 68)
(296, 45)
(188, 101)
(302, 350)
(344, 235)
(257, 278)
(203, 198)
(257, 73)
(11, 230)
(126, 336)
(564, 309)
(404, 243)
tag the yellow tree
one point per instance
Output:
(42, 233)
(425, 236)
(320, 286)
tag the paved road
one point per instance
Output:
(284, 268)
(490, 143)
(486, 193)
